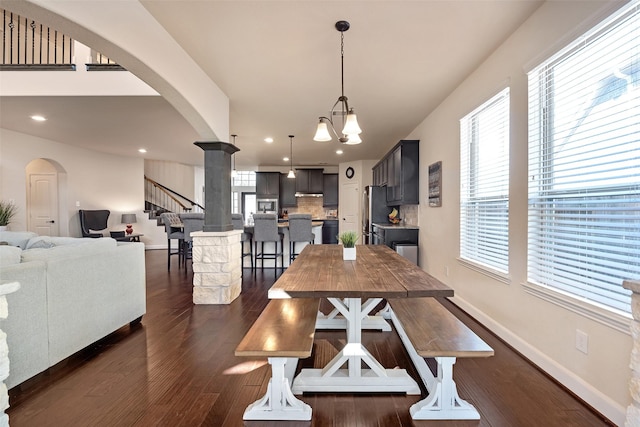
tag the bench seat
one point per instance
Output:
(283, 333)
(429, 330)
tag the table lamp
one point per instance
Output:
(129, 219)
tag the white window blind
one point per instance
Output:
(484, 181)
(584, 164)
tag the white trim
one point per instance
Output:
(487, 271)
(585, 391)
(614, 319)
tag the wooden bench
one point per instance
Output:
(283, 333)
(429, 330)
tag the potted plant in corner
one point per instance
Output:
(348, 239)
(7, 212)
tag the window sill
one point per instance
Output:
(487, 271)
(612, 318)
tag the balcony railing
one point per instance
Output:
(29, 45)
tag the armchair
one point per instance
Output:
(93, 220)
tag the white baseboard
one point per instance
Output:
(592, 396)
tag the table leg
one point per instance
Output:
(335, 320)
(354, 378)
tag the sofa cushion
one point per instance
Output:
(17, 238)
(82, 248)
(9, 255)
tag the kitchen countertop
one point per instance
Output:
(389, 226)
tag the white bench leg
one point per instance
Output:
(443, 402)
(279, 403)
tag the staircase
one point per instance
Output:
(159, 198)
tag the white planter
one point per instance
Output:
(349, 254)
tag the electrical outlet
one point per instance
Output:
(78, 204)
(582, 341)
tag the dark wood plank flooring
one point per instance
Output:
(178, 369)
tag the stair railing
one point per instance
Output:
(164, 199)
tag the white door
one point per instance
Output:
(350, 208)
(43, 204)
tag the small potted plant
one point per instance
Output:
(7, 212)
(348, 239)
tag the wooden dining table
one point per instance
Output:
(355, 288)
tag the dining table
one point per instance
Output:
(355, 289)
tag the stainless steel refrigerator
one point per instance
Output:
(374, 210)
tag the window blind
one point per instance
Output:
(584, 164)
(484, 180)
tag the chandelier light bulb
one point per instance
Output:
(322, 132)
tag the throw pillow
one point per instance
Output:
(40, 242)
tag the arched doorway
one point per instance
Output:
(46, 184)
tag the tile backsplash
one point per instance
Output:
(410, 214)
(311, 205)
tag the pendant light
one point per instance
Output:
(291, 174)
(350, 130)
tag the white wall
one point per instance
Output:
(543, 331)
(95, 180)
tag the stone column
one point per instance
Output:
(217, 266)
(5, 289)
(633, 410)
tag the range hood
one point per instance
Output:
(308, 194)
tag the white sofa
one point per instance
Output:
(73, 292)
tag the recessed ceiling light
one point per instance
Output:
(38, 118)
(268, 140)
(142, 150)
(339, 151)
(285, 159)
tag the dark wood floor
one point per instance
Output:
(178, 369)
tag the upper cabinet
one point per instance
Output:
(268, 185)
(399, 172)
(287, 192)
(330, 198)
(309, 181)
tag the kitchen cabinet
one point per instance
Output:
(268, 185)
(330, 232)
(399, 172)
(287, 192)
(390, 234)
(309, 181)
(330, 190)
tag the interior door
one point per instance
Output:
(43, 204)
(349, 208)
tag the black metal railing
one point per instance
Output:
(164, 199)
(27, 44)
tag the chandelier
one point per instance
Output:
(350, 130)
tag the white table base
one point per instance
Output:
(335, 320)
(333, 378)
(279, 403)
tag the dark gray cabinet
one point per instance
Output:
(268, 185)
(309, 181)
(330, 190)
(287, 192)
(390, 235)
(399, 172)
(330, 232)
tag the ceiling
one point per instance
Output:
(279, 64)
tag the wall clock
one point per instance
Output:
(349, 172)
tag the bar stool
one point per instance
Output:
(299, 232)
(266, 230)
(173, 225)
(238, 224)
(192, 222)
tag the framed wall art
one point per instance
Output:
(435, 184)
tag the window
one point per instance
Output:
(244, 179)
(584, 165)
(484, 180)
